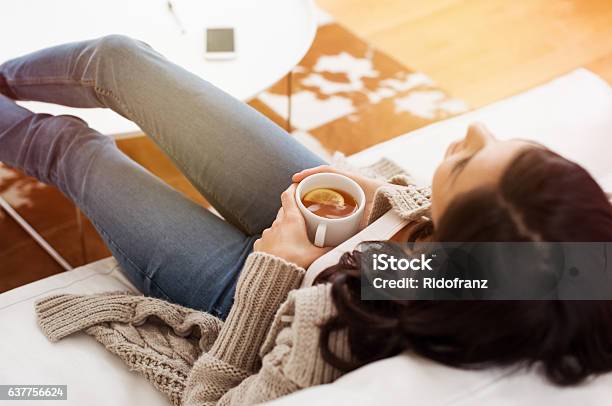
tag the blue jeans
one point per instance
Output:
(168, 246)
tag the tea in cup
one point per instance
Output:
(329, 203)
(332, 205)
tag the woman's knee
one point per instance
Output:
(116, 45)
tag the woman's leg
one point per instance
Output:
(169, 246)
(238, 159)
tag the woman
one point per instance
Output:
(171, 248)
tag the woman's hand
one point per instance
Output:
(369, 185)
(287, 237)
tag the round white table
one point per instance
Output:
(271, 38)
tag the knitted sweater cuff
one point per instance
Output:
(61, 315)
(263, 285)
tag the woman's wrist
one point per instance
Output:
(264, 284)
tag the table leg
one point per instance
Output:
(81, 228)
(289, 94)
(37, 237)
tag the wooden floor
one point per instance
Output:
(485, 50)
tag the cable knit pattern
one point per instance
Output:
(268, 347)
(157, 339)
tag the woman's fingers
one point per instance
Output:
(288, 201)
(310, 171)
(280, 214)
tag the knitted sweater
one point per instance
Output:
(268, 347)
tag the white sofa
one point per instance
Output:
(572, 115)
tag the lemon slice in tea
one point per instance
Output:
(325, 196)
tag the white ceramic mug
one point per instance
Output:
(322, 231)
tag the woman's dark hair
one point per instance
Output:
(540, 197)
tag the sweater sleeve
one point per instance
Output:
(292, 358)
(263, 286)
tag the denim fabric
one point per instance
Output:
(169, 246)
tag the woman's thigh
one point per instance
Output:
(169, 246)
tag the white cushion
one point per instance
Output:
(409, 380)
(570, 115)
